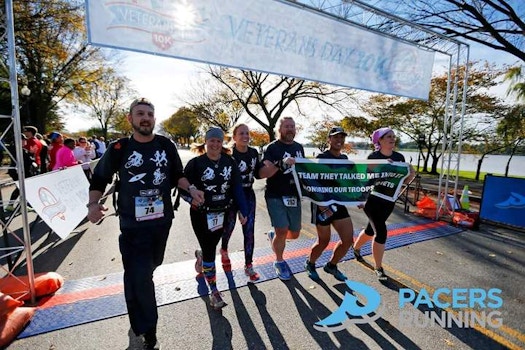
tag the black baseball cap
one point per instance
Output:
(337, 130)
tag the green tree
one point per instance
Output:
(416, 117)
(121, 125)
(512, 131)
(53, 57)
(319, 133)
(182, 126)
(516, 78)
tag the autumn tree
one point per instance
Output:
(319, 132)
(54, 59)
(121, 125)
(105, 99)
(259, 138)
(413, 118)
(265, 97)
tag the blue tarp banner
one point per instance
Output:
(503, 200)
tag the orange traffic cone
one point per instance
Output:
(464, 200)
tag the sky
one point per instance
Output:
(165, 80)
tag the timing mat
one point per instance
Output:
(101, 297)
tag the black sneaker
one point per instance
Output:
(150, 342)
(381, 274)
(357, 254)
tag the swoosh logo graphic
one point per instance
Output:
(515, 200)
(359, 313)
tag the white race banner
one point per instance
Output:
(59, 198)
(263, 35)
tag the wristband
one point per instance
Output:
(91, 203)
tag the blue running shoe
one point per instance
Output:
(282, 270)
(310, 270)
(333, 270)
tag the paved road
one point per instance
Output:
(279, 315)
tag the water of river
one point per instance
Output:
(494, 164)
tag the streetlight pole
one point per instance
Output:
(25, 91)
(420, 143)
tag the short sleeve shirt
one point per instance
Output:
(215, 178)
(248, 164)
(282, 183)
(396, 157)
(147, 170)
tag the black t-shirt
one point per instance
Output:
(248, 164)
(328, 155)
(282, 182)
(28, 161)
(216, 178)
(396, 157)
(147, 171)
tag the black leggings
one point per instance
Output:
(378, 210)
(208, 240)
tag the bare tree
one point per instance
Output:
(265, 97)
(53, 57)
(498, 24)
(105, 100)
(214, 105)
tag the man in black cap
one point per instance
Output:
(323, 217)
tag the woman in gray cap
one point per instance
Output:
(215, 173)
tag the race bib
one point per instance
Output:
(215, 220)
(290, 201)
(149, 208)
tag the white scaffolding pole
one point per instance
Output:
(17, 131)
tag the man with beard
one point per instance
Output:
(282, 199)
(148, 166)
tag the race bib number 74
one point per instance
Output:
(149, 208)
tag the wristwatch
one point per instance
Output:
(192, 187)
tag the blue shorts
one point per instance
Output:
(282, 216)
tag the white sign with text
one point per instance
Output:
(264, 35)
(59, 198)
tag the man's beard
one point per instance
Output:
(144, 130)
(288, 137)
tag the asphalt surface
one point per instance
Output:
(280, 315)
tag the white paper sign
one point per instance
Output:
(59, 198)
(263, 35)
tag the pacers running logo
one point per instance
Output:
(351, 310)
